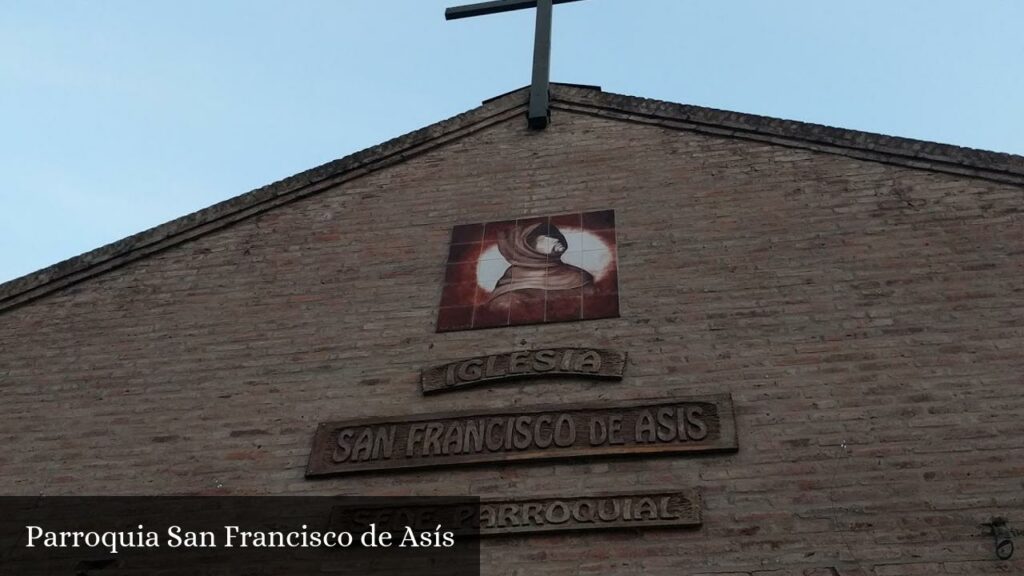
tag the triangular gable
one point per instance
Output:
(917, 154)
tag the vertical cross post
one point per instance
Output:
(539, 112)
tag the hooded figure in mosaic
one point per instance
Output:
(534, 254)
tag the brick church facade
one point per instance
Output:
(858, 298)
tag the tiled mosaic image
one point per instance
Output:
(531, 271)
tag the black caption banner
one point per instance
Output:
(238, 535)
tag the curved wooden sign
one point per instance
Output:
(633, 510)
(586, 362)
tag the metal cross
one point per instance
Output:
(539, 113)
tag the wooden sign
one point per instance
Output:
(623, 510)
(588, 362)
(663, 426)
(502, 516)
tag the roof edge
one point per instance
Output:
(980, 163)
(35, 284)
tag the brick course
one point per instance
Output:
(866, 314)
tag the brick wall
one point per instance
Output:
(867, 318)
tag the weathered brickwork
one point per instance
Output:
(867, 318)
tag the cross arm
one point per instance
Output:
(494, 7)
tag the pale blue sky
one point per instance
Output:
(116, 116)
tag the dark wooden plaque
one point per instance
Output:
(587, 362)
(502, 516)
(657, 426)
(633, 510)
